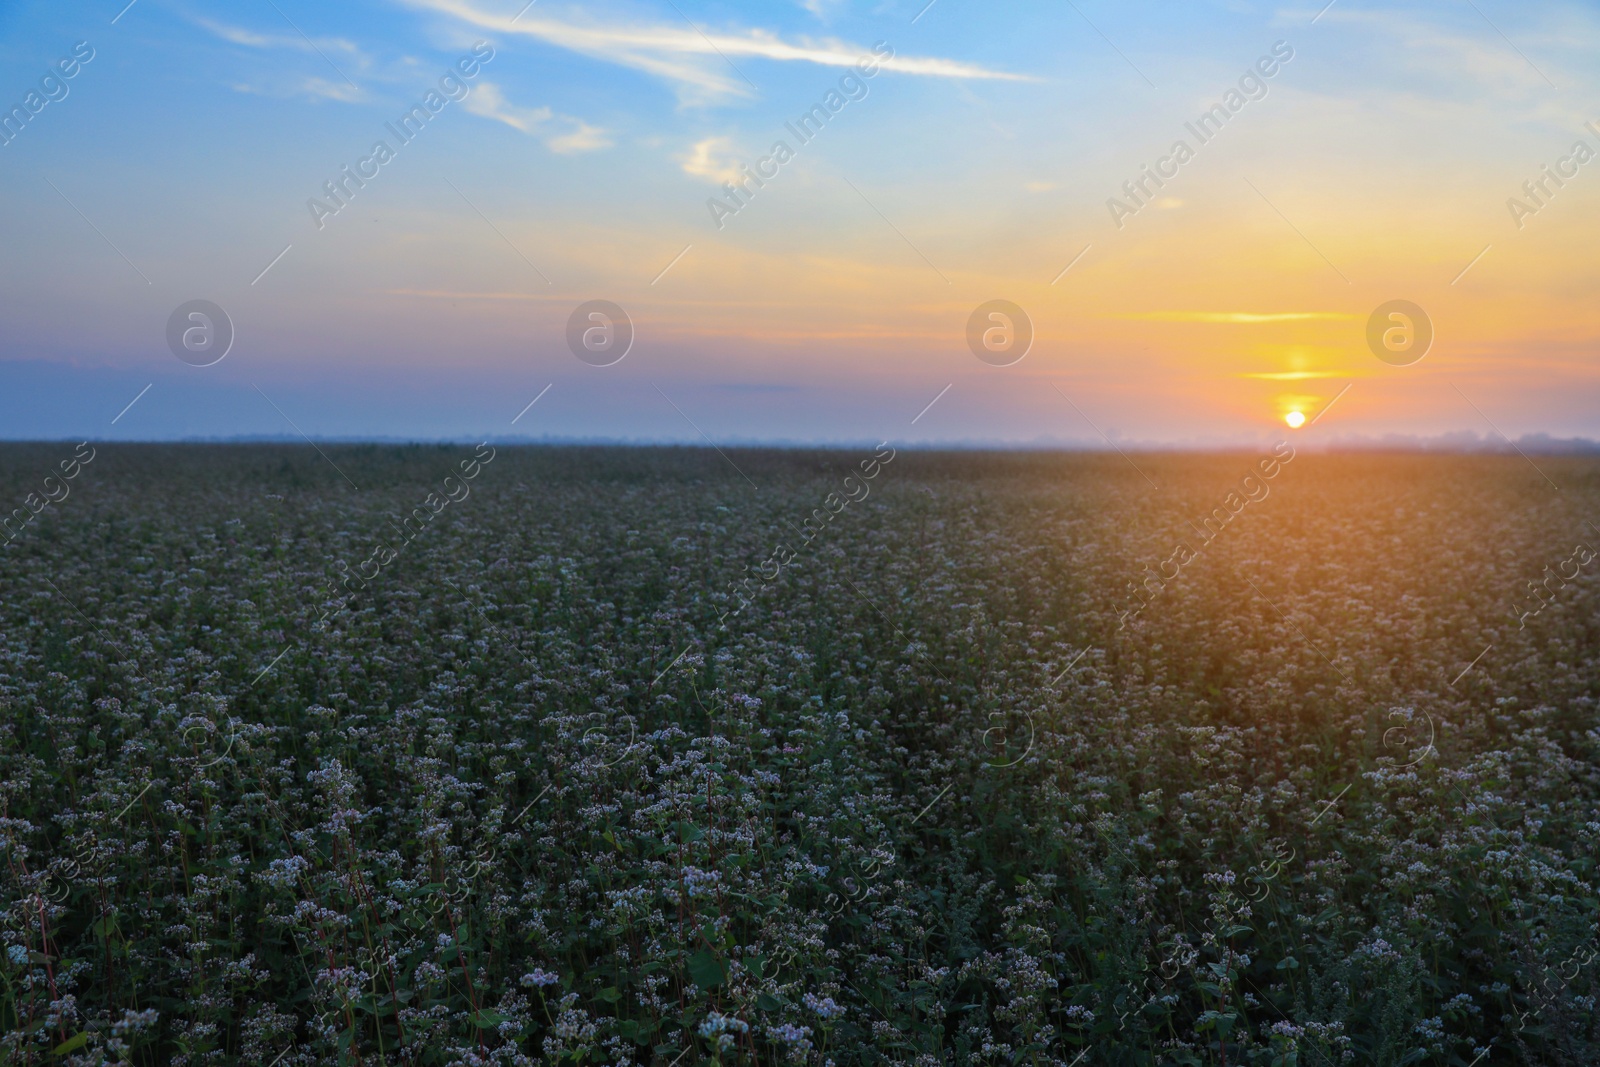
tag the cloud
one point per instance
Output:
(699, 64)
(487, 101)
(1302, 375)
(235, 35)
(317, 88)
(1237, 316)
(712, 159)
(251, 39)
(1466, 47)
(326, 89)
(822, 9)
(581, 138)
(312, 87)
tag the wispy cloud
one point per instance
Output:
(1302, 375)
(1463, 48)
(581, 137)
(569, 136)
(822, 9)
(350, 55)
(713, 160)
(489, 102)
(325, 89)
(251, 39)
(315, 88)
(312, 88)
(695, 61)
(1236, 316)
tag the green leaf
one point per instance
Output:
(610, 994)
(636, 1030)
(706, 970)
(72, 1044)
(488, 1019)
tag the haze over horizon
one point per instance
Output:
(1402, 153)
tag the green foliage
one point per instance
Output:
(566, 783)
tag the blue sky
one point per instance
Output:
(977, 164)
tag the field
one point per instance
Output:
(449, 755)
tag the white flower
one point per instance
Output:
(823, 1006)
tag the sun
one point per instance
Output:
(1295, 419)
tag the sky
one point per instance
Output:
(957, 154)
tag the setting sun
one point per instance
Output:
(1295, 419)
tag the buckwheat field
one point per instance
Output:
(660, 756)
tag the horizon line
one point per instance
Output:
(1459, 442)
